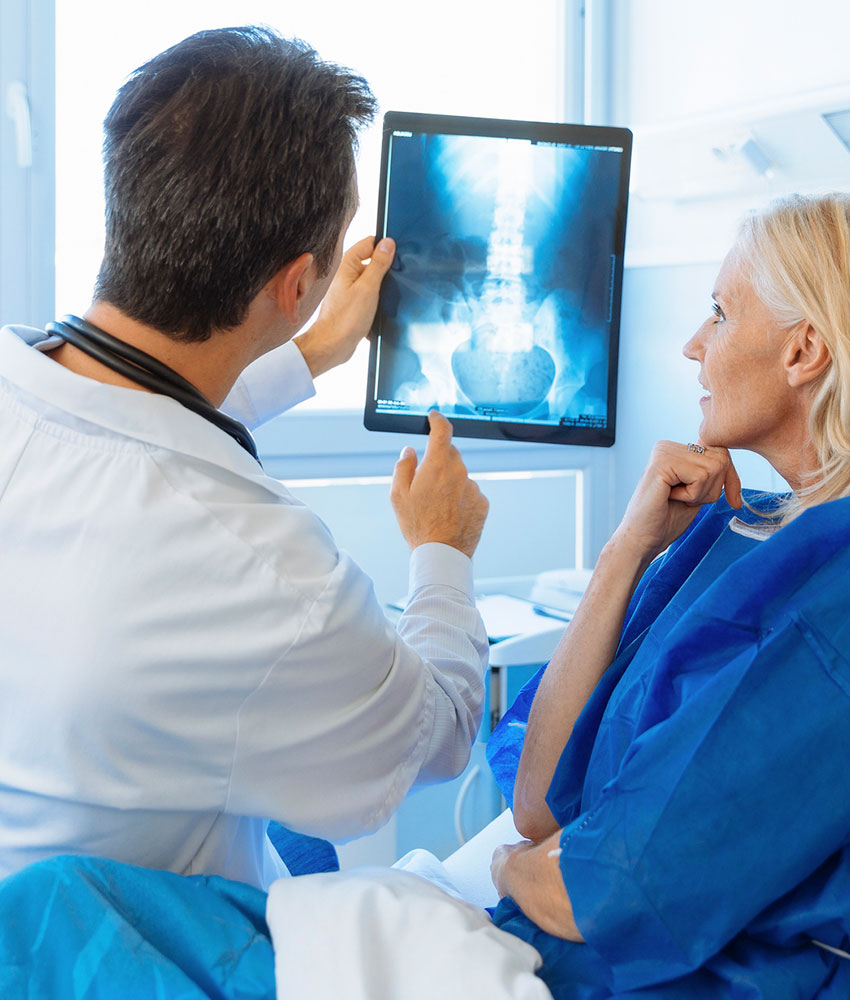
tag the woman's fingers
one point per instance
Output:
(732, 485)
(702, 476)
(675, 484)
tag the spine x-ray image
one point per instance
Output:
(499, 303)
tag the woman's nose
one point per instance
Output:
(695, 347)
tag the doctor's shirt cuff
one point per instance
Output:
(434, 563)
(270, 385)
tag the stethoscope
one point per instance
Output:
(140, 367)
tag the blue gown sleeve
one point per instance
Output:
(722, 806)
(661, 579)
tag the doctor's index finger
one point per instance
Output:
(440, 432)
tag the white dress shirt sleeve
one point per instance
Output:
(442, 623)
(378, 709)
(273, 383)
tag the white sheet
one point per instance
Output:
(466, 873)
(386, 934)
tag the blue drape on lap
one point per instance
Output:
(80, 928)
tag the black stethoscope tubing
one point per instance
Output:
(147, 371)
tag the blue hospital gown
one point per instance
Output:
(705, 792)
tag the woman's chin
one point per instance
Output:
(710, 436)
(714, 440)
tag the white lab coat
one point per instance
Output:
(184, 653)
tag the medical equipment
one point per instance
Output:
(147, 371)
(502, 306)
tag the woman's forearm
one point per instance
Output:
(584, 653)
(677, 481)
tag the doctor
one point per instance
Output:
(184, 653)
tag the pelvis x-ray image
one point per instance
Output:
(498, 303)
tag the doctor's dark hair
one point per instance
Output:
(226, 157)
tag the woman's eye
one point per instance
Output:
(718, 313)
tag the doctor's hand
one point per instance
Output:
(435, 500)
(674, 486)
(348, 308)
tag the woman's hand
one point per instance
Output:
(530, 874)
(674, 485)
(348, 308)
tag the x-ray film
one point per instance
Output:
(502, 306)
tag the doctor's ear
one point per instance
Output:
(290, 285)
(807, 356)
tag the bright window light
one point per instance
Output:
(492, 59)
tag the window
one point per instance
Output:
(26, 161)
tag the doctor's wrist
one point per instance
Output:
(314, 350)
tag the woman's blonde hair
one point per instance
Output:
(796, 254)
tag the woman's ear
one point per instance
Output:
(291, 284)
(806, 355)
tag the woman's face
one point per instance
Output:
(749, 403)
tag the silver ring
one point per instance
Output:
(697, 448)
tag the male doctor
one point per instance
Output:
(184, 653)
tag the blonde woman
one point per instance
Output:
(684, 780)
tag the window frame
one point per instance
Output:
(334, 444)
(27, 192)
